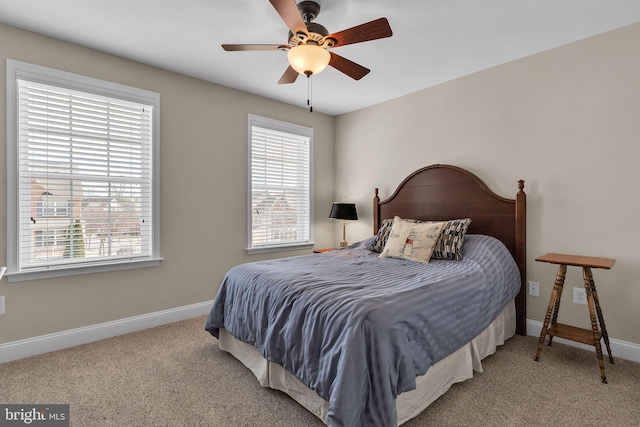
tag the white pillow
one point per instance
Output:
(411, 240)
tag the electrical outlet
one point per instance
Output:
(1, 305)
(534, 289)
(579, 296)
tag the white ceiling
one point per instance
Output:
(433, 41)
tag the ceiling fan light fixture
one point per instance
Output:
(308, 59)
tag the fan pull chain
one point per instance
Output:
(309, 93)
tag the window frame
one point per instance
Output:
(17, 70)
(290, 128)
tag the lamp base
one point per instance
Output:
(344, 234)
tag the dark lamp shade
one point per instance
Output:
(343, 211)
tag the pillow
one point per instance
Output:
(449, 245)
(412, 240)
(382, 236)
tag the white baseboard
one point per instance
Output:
(59, 340)
(619, 349)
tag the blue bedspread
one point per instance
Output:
(358, 329)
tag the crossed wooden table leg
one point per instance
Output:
(598, 329)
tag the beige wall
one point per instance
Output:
(203, 194)
(567, 121)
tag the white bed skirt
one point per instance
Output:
(455, 368)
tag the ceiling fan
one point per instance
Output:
(307, 49)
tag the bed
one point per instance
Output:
(359, 339)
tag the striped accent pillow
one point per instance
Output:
(449, 245)
(382, 236)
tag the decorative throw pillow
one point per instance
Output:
(449, 245)
(382, 236)
(412, 240)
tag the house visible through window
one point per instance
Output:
(279, 185)
(83, 189)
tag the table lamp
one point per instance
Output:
(343, 211)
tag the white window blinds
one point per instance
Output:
(280, 184)
(85, 180)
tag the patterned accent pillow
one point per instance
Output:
(382, 236)
(449, 245)
(412, 240)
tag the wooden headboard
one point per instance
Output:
(443, 192)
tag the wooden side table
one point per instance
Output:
(585, 336)
(320, 251)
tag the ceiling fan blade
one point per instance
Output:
(246, 47)
(288, 11)
(289, 76)
(373, 30)
(350, 68)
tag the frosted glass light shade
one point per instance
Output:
(308, 59)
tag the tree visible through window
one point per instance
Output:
(83, 184)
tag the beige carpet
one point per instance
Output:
(175, 375)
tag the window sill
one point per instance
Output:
(302, 246)
(52, 272)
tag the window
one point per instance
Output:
(82, 174)
(47, 208)
(279, 185)
(49, 237)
